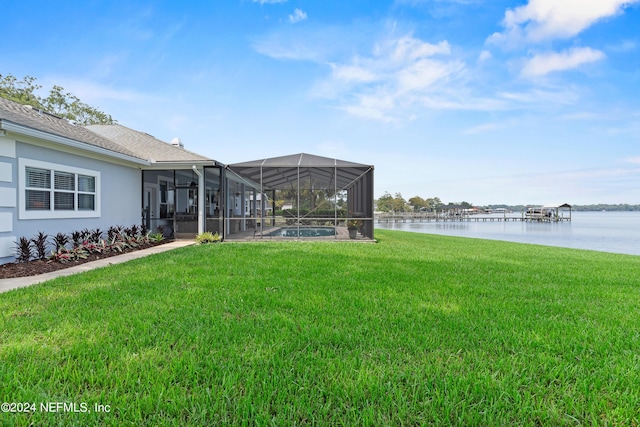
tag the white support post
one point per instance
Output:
(201, 202)
(243, 201)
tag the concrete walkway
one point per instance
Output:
(21, 282)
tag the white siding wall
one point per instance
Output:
(119, 193)
(7, 198)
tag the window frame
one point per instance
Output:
(52, 213)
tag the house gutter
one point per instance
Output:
(68, 142)
(181, 164)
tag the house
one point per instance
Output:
(59, 177)
(180, 189)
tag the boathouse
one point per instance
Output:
(552, 212)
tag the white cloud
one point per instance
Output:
(353, 73)
(485, 55)
(287, 46)
(424, 74)
(543, 64)
(550, 97)
(297, 16)
(402, 77)
(303, 43)
(409, 49)
(375, 106)
(401, 73)
(549, 19)
(633, 160)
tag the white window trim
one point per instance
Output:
(23, 213)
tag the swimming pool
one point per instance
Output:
(304, 232)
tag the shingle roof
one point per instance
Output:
(33, 118)
(115, 138)
(146, 146)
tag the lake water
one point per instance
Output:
(617, 232)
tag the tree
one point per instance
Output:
(69, 106)
(399, 204)
(417, 203)
(434, 203)
(385, 202)
(65, 105)
(396, 203)
(21, 92)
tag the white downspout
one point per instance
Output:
(201, 203)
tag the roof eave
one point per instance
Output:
(67, 142)
(180, 164)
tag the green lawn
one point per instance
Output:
(415, 330)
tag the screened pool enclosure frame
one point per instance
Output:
(299, 196)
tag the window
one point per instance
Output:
(56, 191)
(38, 199)
(65, 190)
(86, 193)
(64, 194)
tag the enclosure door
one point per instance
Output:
(186, 216)
(150, 205)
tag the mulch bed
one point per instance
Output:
(41, 266)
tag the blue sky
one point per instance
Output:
(484, 101)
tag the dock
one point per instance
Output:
(399, 218)
(555, 213)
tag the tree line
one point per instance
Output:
(60, 103)
(396, 203)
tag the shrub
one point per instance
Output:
(86, 242)
(40, 245)
(156, 237)
(66, 255)
(118, 245)
(24, 249)
(85, 234)
(207, 237)
(76, 238)
(114, 231)
(60, 241)
(95, 235)
(354, 224)
(132, 231)
(95, 247)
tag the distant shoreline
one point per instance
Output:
(581, 208)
